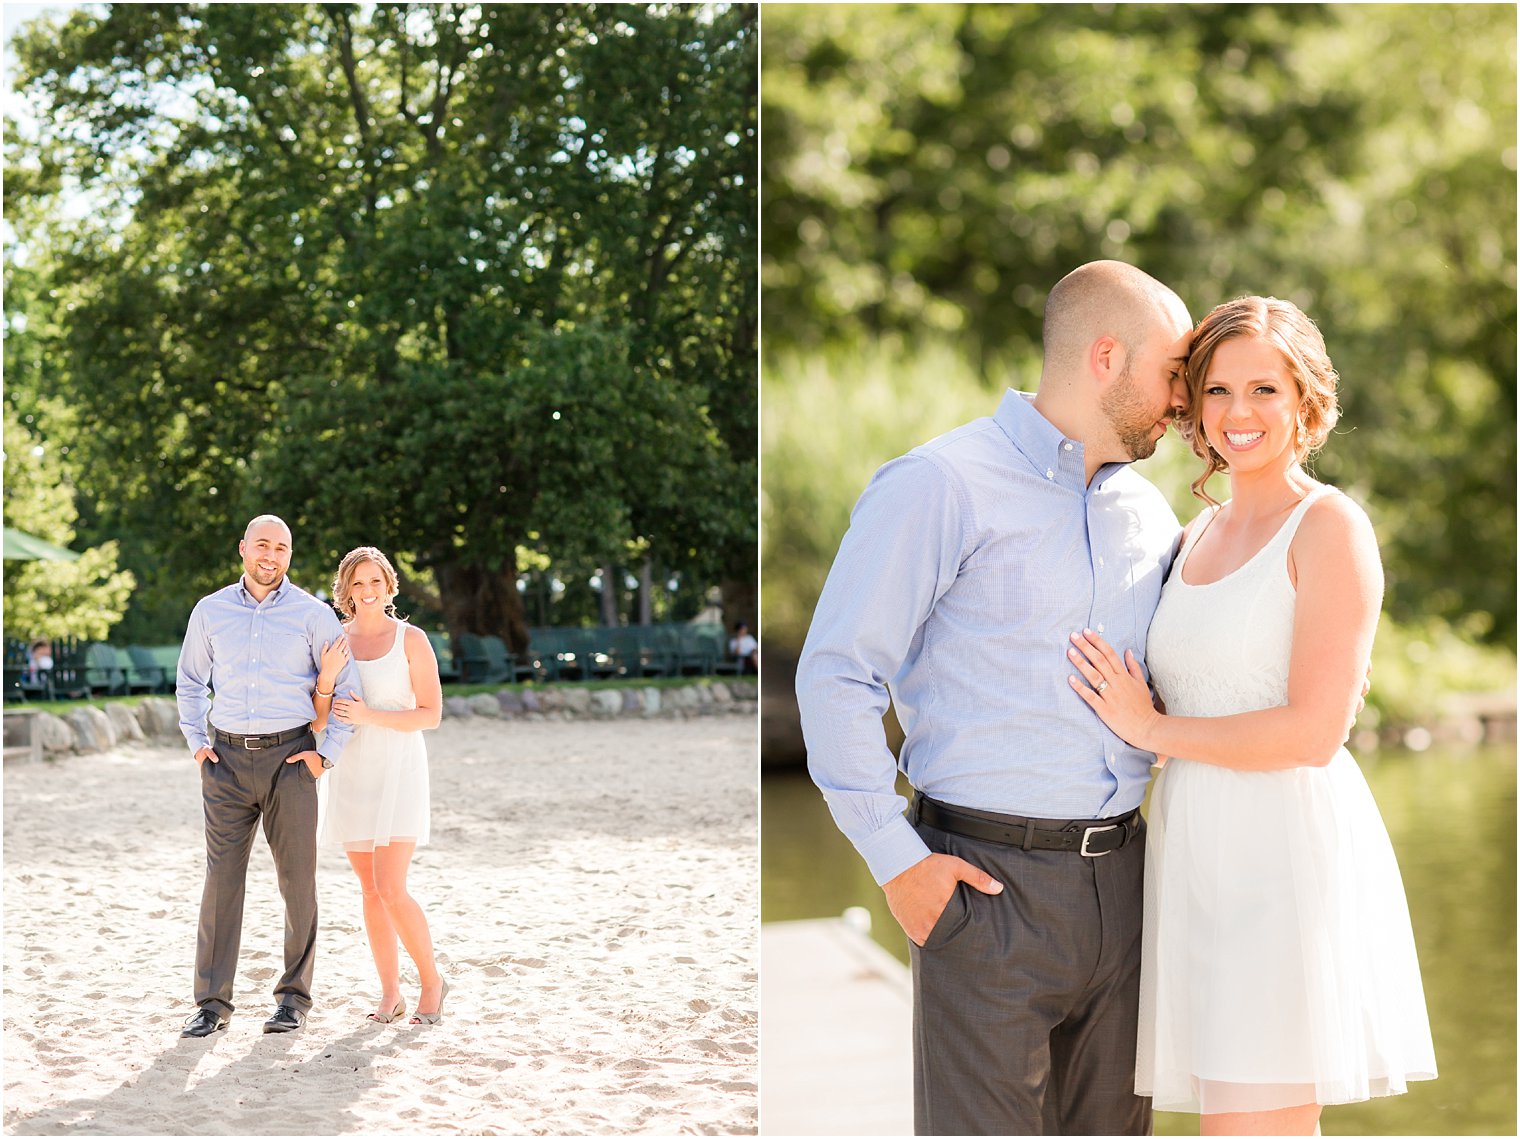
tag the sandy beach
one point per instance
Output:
(593, 894)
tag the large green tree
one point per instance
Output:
(456, 280)
(935, 169)
(81, 598)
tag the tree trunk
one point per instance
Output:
(611, 588)
(740, 603)
(646, 591)
(484, 602)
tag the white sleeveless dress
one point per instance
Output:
(1278, 963)
(377, 793)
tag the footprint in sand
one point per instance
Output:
(699, 1005)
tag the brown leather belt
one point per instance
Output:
(1091, 838)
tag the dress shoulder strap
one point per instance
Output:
(1290, 527)
(1201, 523)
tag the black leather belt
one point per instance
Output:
(255, 743)
(1090, 838)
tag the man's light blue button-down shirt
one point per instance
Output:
(261, 658)
(968, 563)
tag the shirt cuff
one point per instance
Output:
(892, 849)
(197, 742)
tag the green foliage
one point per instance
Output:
(831, 419)
(933, 170)
(1417, 670)
(345, 264)
(82, 598)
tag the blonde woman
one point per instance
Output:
(1278, 968)
(377, 798)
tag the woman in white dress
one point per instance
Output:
(377, 797)
(1278, 964)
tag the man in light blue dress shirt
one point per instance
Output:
(257, 644)
(1017, 871)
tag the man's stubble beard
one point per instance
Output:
(274, 578)
(1122, 406)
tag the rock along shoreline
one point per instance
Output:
(90, 728)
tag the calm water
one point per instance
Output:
(1452, 819)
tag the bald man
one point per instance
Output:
(257, 643)
(1017, 869)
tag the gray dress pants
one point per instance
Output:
(1025, 1003)
(243, 787)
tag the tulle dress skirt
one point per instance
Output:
(377, 793)
(1279, 964)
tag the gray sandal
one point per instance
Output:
(387, 1018)
(432, 1017)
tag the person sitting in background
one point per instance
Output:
(744, 646)
(39, 658)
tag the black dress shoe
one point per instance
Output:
(204, 1023)
(286, 1018)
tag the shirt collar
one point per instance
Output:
(1053, 455)
(247, 598)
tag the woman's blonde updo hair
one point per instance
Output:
(1283, 325)
(343, 579)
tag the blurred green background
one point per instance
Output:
(930, 171)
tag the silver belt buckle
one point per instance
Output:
(1088, 833)
(249, 745)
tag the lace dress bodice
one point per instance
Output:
(1225, 647)
(388, 679)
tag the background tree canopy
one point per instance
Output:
(471, 283)
(930, 172)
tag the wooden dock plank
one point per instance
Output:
(836, 1016)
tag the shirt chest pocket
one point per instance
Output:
(279, 653)
(1028, 581)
